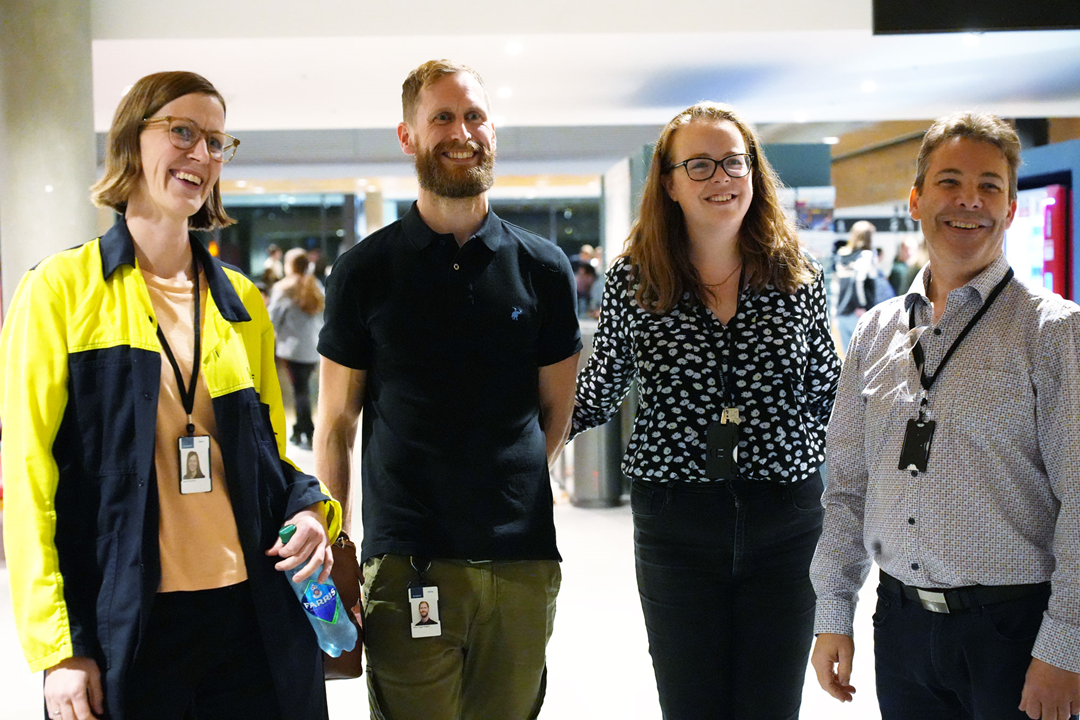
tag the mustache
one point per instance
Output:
(454, 145)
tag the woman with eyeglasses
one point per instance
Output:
(720, 317)
(141, 589)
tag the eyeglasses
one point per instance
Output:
(703, 168)
(184, 134)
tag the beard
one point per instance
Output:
(455, 182)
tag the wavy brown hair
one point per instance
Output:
(123, 154)
(659, 246)
(299, 284)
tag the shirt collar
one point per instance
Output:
(983, 283)
(118, 248)
(420, 235)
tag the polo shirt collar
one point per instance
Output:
(420, 235)
(118, 248)
(983, 283)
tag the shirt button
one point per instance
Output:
(911, 521)
(914, 566)
(937, 331)
(914, 473)
(456, 266)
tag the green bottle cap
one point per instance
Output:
(286, 534)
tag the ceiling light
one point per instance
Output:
(514, 47)
(373, 188)
(258, 190)
(504, 92)
(869, 86)
(831, 140)
(48, 188)
(241, 183)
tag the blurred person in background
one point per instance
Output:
(721, 319)
(856, 273)
(296, 309)
(900, 276)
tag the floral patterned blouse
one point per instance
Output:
(777, 354)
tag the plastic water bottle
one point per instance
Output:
(323, 607)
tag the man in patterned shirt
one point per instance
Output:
(952, 453)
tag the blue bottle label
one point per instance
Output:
(321, 601)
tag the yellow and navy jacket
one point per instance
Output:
(80, 369)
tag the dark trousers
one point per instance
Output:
(723, 575)
(301, 375)
(202, 658)
(963, 666)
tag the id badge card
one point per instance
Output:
(915, 452)
(722, 448)
(424, 606)
(194, 464)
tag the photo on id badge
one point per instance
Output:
(194, 462)
(424, 603)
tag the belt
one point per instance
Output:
(962, 599)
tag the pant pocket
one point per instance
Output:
(647, 499)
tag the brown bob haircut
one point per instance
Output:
(980, 127)
(659, 246)
(426, 74)
(123, 156)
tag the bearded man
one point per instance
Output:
(456, 333)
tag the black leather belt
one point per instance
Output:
(963, 599)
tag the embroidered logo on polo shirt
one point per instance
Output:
(516, 313)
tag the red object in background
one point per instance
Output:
(1055, 240)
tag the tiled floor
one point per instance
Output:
(598, 669)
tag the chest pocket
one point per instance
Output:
(226, 367)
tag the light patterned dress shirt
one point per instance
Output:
(999, 502)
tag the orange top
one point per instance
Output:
(200, 547)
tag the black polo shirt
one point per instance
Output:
(452, 339)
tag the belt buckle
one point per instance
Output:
(933, 601)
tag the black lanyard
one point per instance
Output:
(187, 393)
(727, 387)
(917, 351)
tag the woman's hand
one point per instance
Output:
(308, 545)
(73, 690)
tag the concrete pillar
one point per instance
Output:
(47, 148)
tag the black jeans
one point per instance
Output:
(963, 666)
(202, 658)
(301, 374)
(723, 575)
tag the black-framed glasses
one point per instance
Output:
(703, 168)
(184, 134)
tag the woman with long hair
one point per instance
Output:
(141, 588)
(296, 309)
(856, 286)
(721, 319)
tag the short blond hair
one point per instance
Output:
(123, 156)
(426, 74)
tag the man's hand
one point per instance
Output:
(829, 650)
(308, 545)
(1050, 693)
(73, 690)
